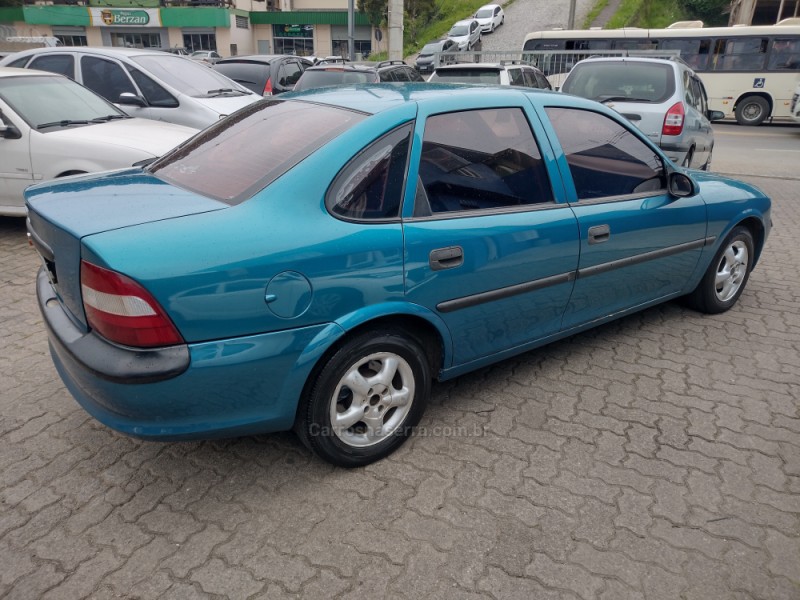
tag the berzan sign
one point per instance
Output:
(117, 17)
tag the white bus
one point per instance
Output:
(749, 72)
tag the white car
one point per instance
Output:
(147, 83)
(466, 33)
(51, 127)
(490, 17)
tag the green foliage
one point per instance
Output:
(418, 13)
(375, 10)
(593, 14)
(711, 12)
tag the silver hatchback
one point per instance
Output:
(663, 97)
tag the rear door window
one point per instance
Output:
(481, 160)
(235, 158)
(515, 77)
(289, 73)
(63, 64)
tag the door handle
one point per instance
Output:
(446, 258)
(599, 234)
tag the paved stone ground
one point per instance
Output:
(655, 457)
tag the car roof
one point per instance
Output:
(263, 58)
(642, 59)
(486, 66)
(102, 51)
(14, 72)
(373, 98)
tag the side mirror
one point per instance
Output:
(681, 185)
(131, 99)
(715, 115)
(9, 132)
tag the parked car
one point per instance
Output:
(265, 74)
(179, 50)
(205, 56)
(466, 33)
(490, 17)
(51, 127)
(444, 228)
(145, 83)
(662, 97)
(502, 73)
(324, 74)
(426, 60)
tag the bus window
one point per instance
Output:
(588, 45)
(784, 54)
(634, 44)
(740, 54)
(693, 52)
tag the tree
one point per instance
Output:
(418, 14)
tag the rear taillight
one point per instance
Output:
(267, 88)
(673, 121)
(124, 312)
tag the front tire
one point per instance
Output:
(367, 399)
(727, 275)
(752, 110)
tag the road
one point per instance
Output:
(766, 150)
(655, 457)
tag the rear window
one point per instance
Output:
(324, 78)
(239, 156)
(466, 76)
(622, 81)
(251, 75)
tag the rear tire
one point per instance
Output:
(727, 275)
(367, 399)
(752, 110)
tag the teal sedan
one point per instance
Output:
(314, 262)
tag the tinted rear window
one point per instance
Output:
(239, 156)
(637, 81)
(317, 79)
(467, 76)
(251, 75)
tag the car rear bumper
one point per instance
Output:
(221, 388)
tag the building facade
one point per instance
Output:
(301, 27)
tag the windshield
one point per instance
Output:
(238, 156)
(187, 76)
(484, 13)
(429, 49)
(51, 99)
(621, 81)
(324, 78)
(466, 76)
(458, 30)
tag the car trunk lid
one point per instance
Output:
(61, 214)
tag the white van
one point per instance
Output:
(145, 83)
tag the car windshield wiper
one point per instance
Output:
(603, 100)
(221, 91)
(109, 118)
(63, 123)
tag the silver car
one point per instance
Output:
(663, 97)
(466, 33)
(144, 83)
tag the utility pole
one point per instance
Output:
(571, 19)
(351, 19)
(395, 29)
